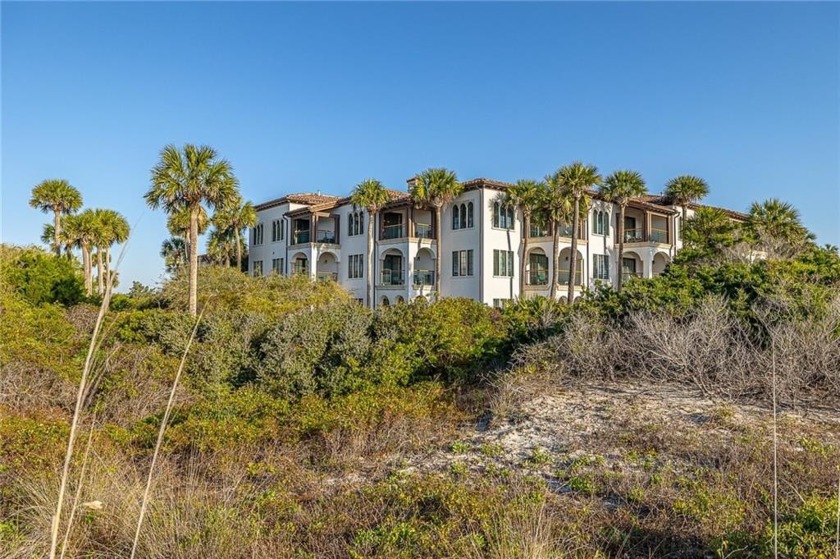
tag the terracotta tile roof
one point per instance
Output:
(307, 198)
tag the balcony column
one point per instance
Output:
(647, 222)
(410, 221)
(313, 228)
(336, 226)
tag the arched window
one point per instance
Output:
(361, 222)
(470, 214)
(463, 223)
(456, 220)
(497, 214)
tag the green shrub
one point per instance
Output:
(809, 531)
(40, 277)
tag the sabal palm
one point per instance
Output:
(685, 190)
(708, 233)
(576, 180)
(233, 218)
(188, 180)
(81, 230)
(48, 238)
(372, 196)
(115, 230)
(436, 188)
(556, 207)
(525, 196)
(775, 227)
(61, 198)
(221, 247)
(174, 253)
(619, 188)
(178, 225)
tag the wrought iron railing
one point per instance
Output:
(327, 276)
(325, 236)
(423, 231)
(538, 277)
(564, 277)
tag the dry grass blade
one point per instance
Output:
(159, 442)
(80, 396)
(78, 490)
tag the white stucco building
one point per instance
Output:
(482, 245)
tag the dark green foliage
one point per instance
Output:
(40, 277)
(320, 349)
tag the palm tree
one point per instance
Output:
(619, 188)
(707, 235)
(178, 225)
(48, 238)
(220, 246)
(235, 217)
(577, 179)
(556, 206)
(59, 197)
(115, 229)
(370, 195)
(174, 253)
(80, 231)
(685, 190)
(436, 188)
(776, 228)
(191, 178)
(524, 195)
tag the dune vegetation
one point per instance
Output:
(637, 423)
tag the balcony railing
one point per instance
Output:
(564, 277)
(392, 277)
(300, 237)
(538, 277)
(538, 231)
(635, 235)
(659, 235)
(324, 236)
(392, 232)
(327, 276)
(424, 277)
(423, 231)
(627, 275)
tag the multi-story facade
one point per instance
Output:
(482, 245)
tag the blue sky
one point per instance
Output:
(305, 97)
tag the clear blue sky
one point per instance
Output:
(302, 97)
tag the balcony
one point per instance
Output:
(327, 276)
(392, 277)
(625, 275)
(424, 277)
(392, 232)
(637, 235)
(300, 237)
(423, 231)
(325, 236)
(538, 277)
(564, 277)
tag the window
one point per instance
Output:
(355, 266)
(503, 216)
(538, 228)
(602, 267)
(462, 263)
(300, 266)
(537, 269)
(503, 263)
(601, 223)
(355, 223)
(500, 303)
(628, 266)
(258, 268)
(258, 234)
(277, 266)
(462, 216)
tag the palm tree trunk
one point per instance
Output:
(193, 303)
(620, 263)
(238, 242)
(100, 279)
(438, 251)
(524, 261)
(57, 233)
(107, 265)
(86, 269)
(573, 257)
(369, 258)
(555, 272)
